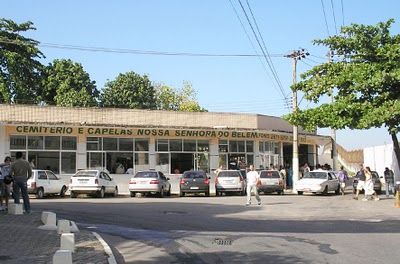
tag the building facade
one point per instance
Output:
(67, 139)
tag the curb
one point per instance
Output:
(107, 249)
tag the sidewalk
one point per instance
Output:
(22, 242)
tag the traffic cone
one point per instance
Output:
(397, 200)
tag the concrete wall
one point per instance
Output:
(379, 157)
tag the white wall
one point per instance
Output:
(379, 157)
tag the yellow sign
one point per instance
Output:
(153, 132)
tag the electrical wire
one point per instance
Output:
(263, 51)
(341, 1)
(334, 16)
(133, 51)
(326, 21)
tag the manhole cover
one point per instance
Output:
(222, 241)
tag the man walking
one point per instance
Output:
(361, 181)
(21, 170)
(252, 180)
(389, 181)
(343, 177)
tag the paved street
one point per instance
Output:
(284, 229)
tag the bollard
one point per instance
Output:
(67, 242)
(63, 226)
(15, 209)
(62, 257)
(397, 196)
(49, 219)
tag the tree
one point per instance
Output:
(178, 100)
(365, 82)
(20, 70)
(129, 90)
(67, 84)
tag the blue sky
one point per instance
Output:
(207, 26)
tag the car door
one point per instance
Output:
(54, 183)
(332, 185)
(43, 181)
(165, 183)
(108, 183)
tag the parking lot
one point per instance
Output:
(198, 229)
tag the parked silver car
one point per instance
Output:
(271, 181)
(45, 182)
(229, 181)
(150, 182)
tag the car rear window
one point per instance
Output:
(146, 174)
(316, 175)
(270, 174)
(193, 175)
(229, 174)
(85, 174)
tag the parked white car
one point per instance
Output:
(150, 182)
(318, 181)
(93, 182)
(229, 181)
(45, 182)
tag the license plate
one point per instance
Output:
(142, 182)
(194, 188)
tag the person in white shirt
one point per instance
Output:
(252, 179)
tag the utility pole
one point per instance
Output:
(296, 55)
(333, 131)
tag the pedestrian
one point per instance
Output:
(5, 171)
(389, 181)
(343, 177)
(361, 181)
(369, 185)
(21, 171)
(253, 180)
(306, 170)
(282, 172)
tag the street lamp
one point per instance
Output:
(296, 55)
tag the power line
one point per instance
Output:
(341, 2)
(334, 17)
(132, 51)
(264, 52)
(326, 21)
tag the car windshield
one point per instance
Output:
(229, 174)
(86, 174)
(193, 175)
(315, 175)
(146, 174)
(269, 174)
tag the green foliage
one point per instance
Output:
(365, 81)
(67, 84)
(20, 70)
(129, 90)
(178, 100)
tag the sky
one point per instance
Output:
(223, 83)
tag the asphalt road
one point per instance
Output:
(284, 229)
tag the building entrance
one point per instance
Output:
(181, 162)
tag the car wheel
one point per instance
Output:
(40, 193)
(181, 194)
(73, 194)
(299, 192)
(337, 191)
(325, 191)
(161, 194)
(63, 191)
(100, 194)
(133, 194)
(115, 194)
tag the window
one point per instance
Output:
(125, 144)
(223, 146)
(189, 145)
(52, 142)
(17, 142)
(42, 175)
(141, 145)
(69, 143)
(110, 144)
(45, 160)
(249, 146)
(94, 143)
(162, 145)
(35, 142)
(162, 162)
(203, 146)
(51, 176)
(175, 144)
(68, 162)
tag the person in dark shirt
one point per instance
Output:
(361, 181)
(21, 170)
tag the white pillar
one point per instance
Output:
(214, 154)
(257, 159)
(81, 153)
(5, 143)
(152, 153)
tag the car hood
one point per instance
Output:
(308, 182)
